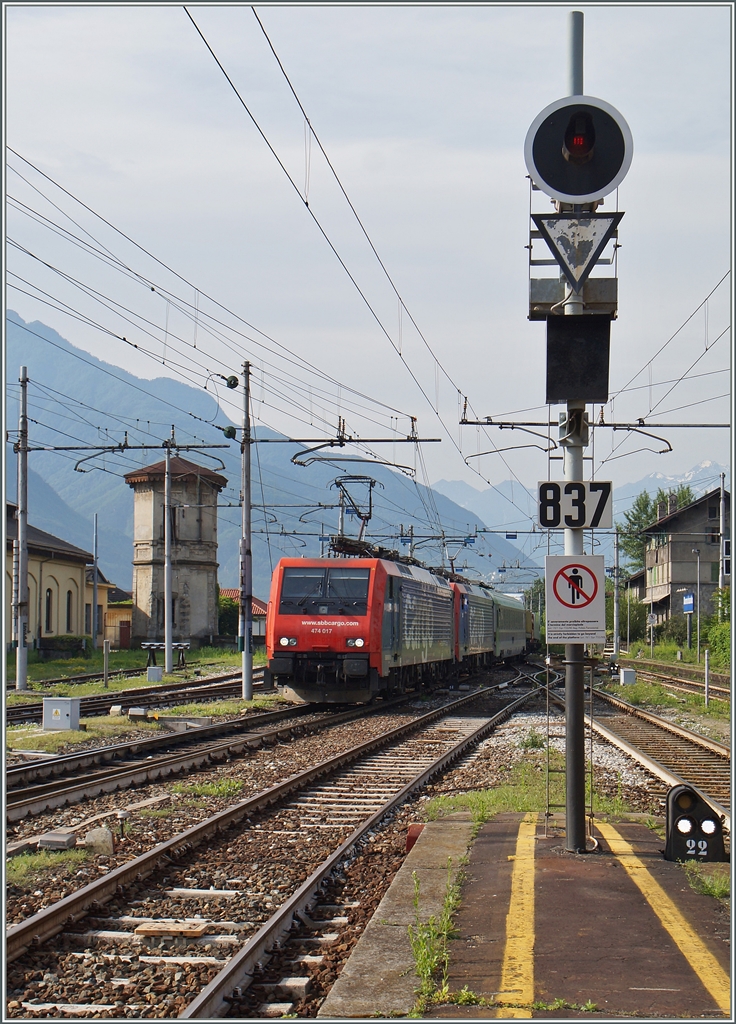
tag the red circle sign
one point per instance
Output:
(578, 597)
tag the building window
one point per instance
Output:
(727, 566)
(714, 571)
(49, 609)
(712, 511)
(99, 618)
(712, 535)
(69, 607)
(88, 619)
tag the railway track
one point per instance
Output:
(145, 761)
(209, 688)
(673, 754)
(195, 914)
(683, 685)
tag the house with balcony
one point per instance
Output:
(685, 552)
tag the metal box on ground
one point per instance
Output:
(155, 673)
(627, 676)
(61, 712)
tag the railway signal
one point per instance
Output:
(694, 831)
(578, 149)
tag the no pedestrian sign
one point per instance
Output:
(576, 601)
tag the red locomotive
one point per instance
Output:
(346, 629)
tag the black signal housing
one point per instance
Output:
(694, 831)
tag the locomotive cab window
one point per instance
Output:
(323, 591)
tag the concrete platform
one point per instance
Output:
(617, 933)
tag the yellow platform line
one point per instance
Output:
(517, 973)
(692, 947)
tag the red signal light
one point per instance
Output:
(579, 138)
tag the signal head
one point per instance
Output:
(578, 149)
(229, 433)
(232, 381)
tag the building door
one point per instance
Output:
(125, 635)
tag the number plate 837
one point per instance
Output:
(575, 504)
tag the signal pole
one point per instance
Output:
(168, 610)
(616, 600)
(245, 627)
(21, 651)
(576, 438)
(95, 623)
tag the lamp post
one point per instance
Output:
(696, 551)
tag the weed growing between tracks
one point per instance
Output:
(100, 728)
(22, 869)
(523, 790)
(655, 695)
(709, 879)
(223, 788)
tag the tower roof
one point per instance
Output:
(181, 469)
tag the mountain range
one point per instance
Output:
(75, 399)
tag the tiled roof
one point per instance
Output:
(259, 608)
(40, 541)
(180, 470)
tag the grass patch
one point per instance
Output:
(222, 788)
(524, 791)
(102, 728)
(232, 706)
(709, 879)
(533, 740)
(155, 812)
(207, 658)
(656, 695)
(26, 866)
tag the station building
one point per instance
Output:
(60, 591)
(679, 541)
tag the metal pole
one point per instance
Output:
(573, 471)
(95, 623)
(245, 640)
(168, 649)
(690, 631)
(721, 547)
(697, 552)
(105, 660)
(14, 606)
(21, 651)
(707, 675)
(574, 666)
(576, 53)
(616, 596)
(628, 618)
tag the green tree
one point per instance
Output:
(643, 513)
(228, 611)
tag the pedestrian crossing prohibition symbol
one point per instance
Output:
(575, 586)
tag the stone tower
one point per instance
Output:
(194, 491)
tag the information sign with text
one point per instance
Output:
(575, 504)
(575, 599)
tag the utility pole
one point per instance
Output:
(616, 602)
(722, 547)
(245, 639)
(168, 634)
(21, 651)
(95, 623)
(696, 551)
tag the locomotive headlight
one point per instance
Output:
(708, 826)
(359, 642)
(354, 642)
(684, 825)
(284, 641)
(292, 641)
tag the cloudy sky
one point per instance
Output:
(422, 111)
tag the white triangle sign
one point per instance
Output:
(576, 242)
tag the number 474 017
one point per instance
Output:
(575, 504)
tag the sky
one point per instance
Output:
(422, 111)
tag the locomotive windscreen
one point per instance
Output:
(320, 590)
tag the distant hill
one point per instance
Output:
(63, 501)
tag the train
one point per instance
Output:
(348, 629)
